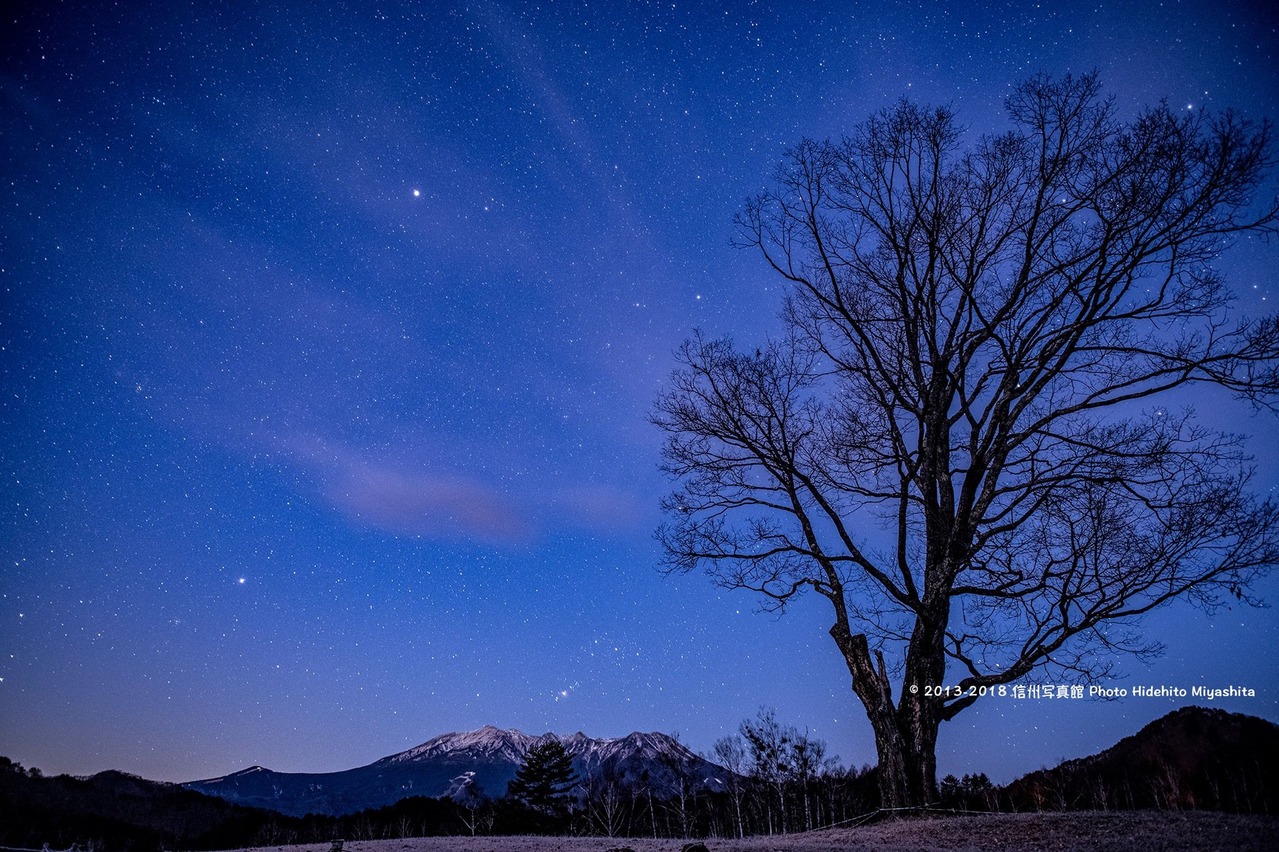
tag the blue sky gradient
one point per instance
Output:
(330, 333)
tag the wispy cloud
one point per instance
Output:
(402, 500)
(450, 507)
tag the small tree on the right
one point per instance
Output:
(974, 438)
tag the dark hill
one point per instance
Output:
(117, 811)
(1193, 758)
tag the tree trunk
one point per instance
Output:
(918, 723)
(918, 712)
(905, 735)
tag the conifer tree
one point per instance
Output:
(544, 779)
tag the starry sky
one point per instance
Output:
(330, 331)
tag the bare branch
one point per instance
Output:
(965, 440)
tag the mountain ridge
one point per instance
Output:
(475, 763)
(1193, 757)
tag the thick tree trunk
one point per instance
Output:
(872, 687)
(918, 727)
(905, 735)
(918, 712)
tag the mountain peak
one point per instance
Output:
(483, 761)
(1185, 754)
(488, 741)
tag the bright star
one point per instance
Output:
(417, 193)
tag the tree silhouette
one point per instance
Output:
(967, 440)
(771, 743)
(545, 778)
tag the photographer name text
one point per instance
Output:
(1077, 691)
(1207, 692)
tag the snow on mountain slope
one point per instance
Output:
(487, 742)
(483, 760)
(589, 754)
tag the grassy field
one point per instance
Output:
(1142, 831)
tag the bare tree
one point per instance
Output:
(808, 763)
(473, 807)
(771, 751)
(680, 789)
(730, 753)
(966, 440)
(605, 801)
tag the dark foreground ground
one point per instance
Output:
(1141, 831)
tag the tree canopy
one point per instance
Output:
(973, 437)
(545, 778)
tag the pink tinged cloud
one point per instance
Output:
(456, 506)
(436, 506)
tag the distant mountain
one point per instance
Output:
(117, 811)
(1193, 758)
(481, 761)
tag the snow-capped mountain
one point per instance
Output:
(479, 762)
(488, 743)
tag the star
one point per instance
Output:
(323, 381)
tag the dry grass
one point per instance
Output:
(1144, 831)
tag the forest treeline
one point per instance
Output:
(777, 779)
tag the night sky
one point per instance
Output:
(329, 338)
